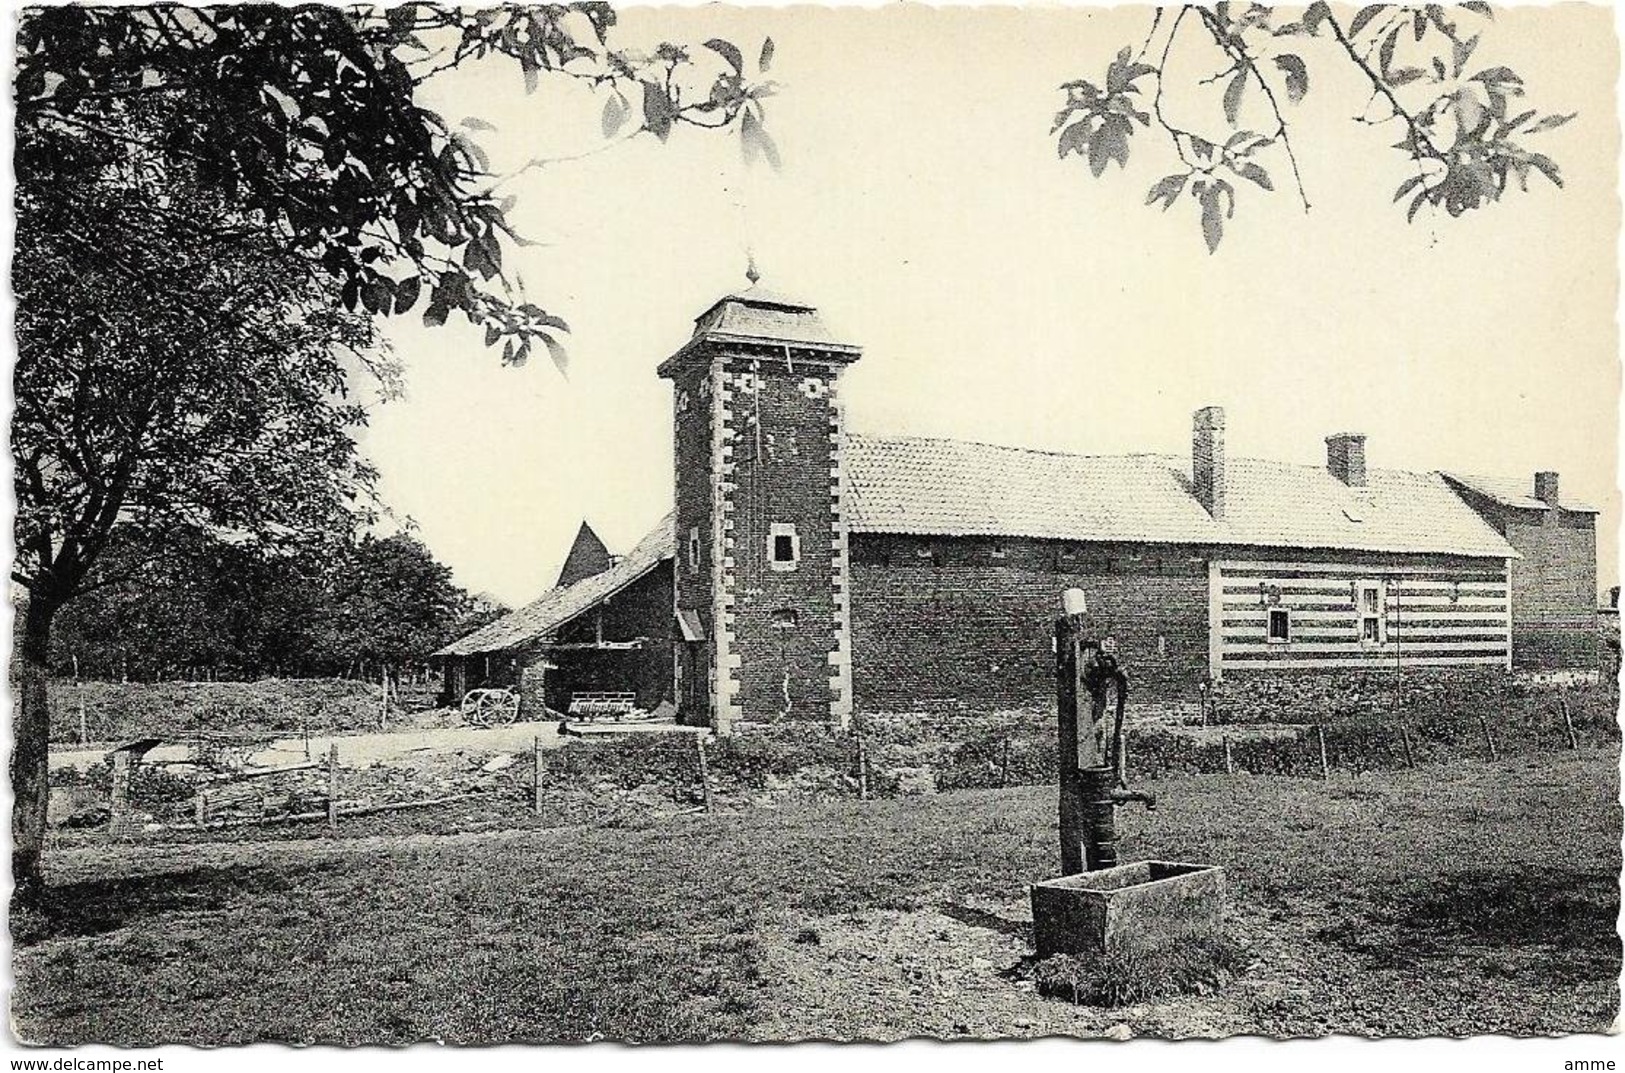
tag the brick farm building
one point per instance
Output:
(806, 572)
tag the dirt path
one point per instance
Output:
(952, 972)
(399, 748)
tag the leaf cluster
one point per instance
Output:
(193, 605)
(172, 374)
(305, 121)
(1459, 127)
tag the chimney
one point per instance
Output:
(1207, 459)
(1546, 487)
(1345, 458)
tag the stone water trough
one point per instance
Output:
(1147, 903)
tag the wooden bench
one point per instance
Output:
(593, 705)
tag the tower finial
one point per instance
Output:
(751, 273)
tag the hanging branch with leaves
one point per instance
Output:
(306, 120)
(1459, 127)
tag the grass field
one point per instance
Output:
(1474, 898)
(114, 711)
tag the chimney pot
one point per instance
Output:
(1207, 459)
(1345, 458)
(1546, 487)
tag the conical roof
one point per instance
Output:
(587, 557)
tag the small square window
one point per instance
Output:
(783, 547)
(1280, 625)
(694, 550)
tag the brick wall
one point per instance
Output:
(970, 619)
(642, 609)
(784, 620)
(694, 403)
(1554, 589)
(1554, 585)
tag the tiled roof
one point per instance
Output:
(1511, 493)
(560, 605)
(744, 319)
(931, 487)
(757, 316)
(953, 488)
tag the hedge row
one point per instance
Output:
(1375, 695)
(925, 752)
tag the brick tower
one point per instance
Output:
(761, 568)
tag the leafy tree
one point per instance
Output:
(474, 611)
(389, 603)
(168, 381)
(306, 119)
(1459, 125)
(194, 605)
(198, 605)
(211, 203)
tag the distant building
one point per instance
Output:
(807, 572)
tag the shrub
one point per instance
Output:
(1176, 965)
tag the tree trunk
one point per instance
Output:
(30, 756)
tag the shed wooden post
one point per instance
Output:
(1320, 737)
(333, 785)
(1229, 759)
(1568, 723)
(536, 775)
(705, 770)
(1489, 740)
(863, 769)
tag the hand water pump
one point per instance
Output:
(1093, 764)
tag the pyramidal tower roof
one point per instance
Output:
(588, 556)
(760, 316)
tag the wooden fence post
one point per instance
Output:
(1320, 735)
(705, 770)
(84, 730)
(1405, 740)
(1489, 741)
(333, 785)
(863, 770)
(1568, 724)
(536, 776)
(118, 805)
(1229, 759)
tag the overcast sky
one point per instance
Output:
(1006, 296)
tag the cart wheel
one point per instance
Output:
(494, 707)
(474, 712)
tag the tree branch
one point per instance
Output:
(1234, 46)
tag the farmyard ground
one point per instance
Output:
(1463, 899)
